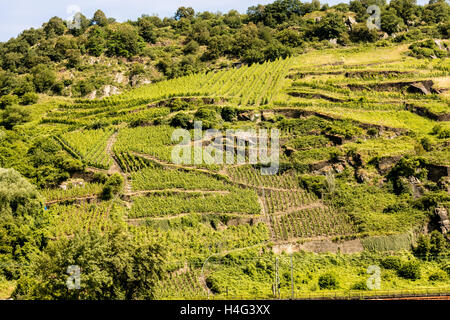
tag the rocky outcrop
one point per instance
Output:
(350, 21)
(418, 190)
(444, 222)
(249, 116)
(109, 90)
(385, 164)
(436, 172)
(268, 116)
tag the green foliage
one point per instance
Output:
(8, 100)
(438, 276)
(112, 186)
(430, 247)
(315, 184)
(43, 77)
(100, 177)
(228, 114)
(391, 263)
(15, 115)
(96, 41)
(426, 49)
(99, 18)
(29, 98)
(213, 284)
(431, 200)
(112, 267)
(54, 27)
(48, 164)
(182, 120)
(360, 285)
(22, 221)
(360, 33)
(208, 117)
(328, 281)
(124, 41)
(407, 167)
(410, 270)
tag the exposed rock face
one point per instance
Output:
(315, 96)
(350, 21)
(444, 222)
(267, 116)
(120, 78)
(416, 186)
(436, 172)
(109, 90)
(387, 163)
(440, 45)
(249, 116)
(92, 95)
(362, 176)
(338, 167)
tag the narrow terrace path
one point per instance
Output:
(115, 167)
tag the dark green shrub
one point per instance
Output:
(229, 114)
(178, 105)
(315, 184)
(410, 270)
(213, 284)
(112, 186)
(438, 276)
(99, 177)
(392, 263)
(107, 193)
(8, 100)
(182, 120)
(328, 281)
(15, 115)
(360, 285)
(426, 143)
(29, 98)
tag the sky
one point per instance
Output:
(18, 15)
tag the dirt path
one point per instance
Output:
(266, 216)
(115, 167)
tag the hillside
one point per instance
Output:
(363, 177)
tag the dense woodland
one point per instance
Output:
(45, 60)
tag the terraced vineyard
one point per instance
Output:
(309, 223)
(70, 219)
(89, 145)
(187, 285)
(358, 128)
